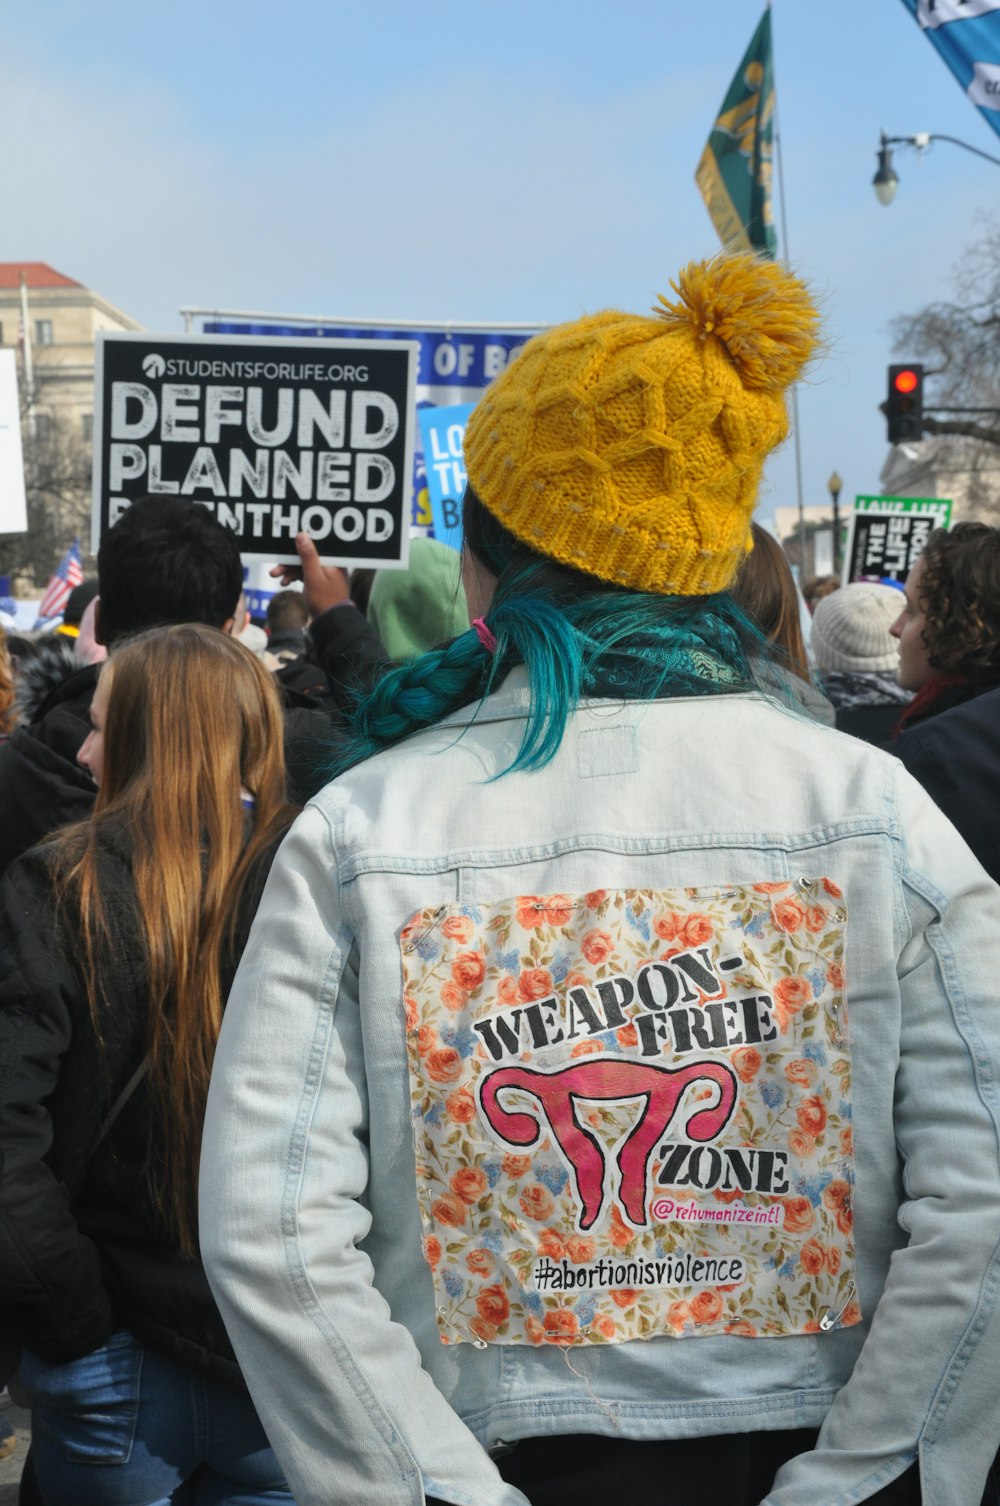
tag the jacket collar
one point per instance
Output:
(510, 702)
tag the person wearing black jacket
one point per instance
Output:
(948, 635)
(166, 561)
(118, 941)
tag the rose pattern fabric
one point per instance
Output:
(544, 1035)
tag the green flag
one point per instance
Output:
(734, 174)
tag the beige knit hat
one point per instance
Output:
(850, 629)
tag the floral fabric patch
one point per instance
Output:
(632, 1113)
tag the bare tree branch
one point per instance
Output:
(986, 433)
(956, 339)
(57, 479)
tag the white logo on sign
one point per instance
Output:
(934, 13)
(984, 89)
(154, 365)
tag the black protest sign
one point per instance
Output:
(886, 545)
(272, 436)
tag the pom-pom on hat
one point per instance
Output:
(632, 447)
(850, 629)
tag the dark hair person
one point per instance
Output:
(118, 938)
(948, 635)
(166, 561)
(542, 1161)
(949, 629)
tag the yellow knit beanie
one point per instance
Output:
(632, 447)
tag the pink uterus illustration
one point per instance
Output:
(605, 1080)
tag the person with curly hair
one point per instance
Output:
(949, 654)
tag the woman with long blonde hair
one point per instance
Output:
(118, 939)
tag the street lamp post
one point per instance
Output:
(834, 486)
(886, 179)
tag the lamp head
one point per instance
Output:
(885, 181)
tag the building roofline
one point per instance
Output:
(37, 274)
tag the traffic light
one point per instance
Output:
(904, 407)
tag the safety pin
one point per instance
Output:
(415, 941)
(472, 1338)
(830, 1319)
(809, 884)
(540, 904)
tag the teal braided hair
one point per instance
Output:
(574, 635)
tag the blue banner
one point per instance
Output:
(453, 367)
(967, 35)
(445, 359)
(443, 432)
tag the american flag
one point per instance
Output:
(69, 573)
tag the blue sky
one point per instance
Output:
(481, 161)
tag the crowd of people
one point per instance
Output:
(522, 1029)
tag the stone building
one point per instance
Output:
(51, 327)
(63, 318)
(965, 471)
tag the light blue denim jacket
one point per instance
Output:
(309, 1217)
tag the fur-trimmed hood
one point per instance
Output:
(37, 675)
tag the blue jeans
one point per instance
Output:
(124, 1426)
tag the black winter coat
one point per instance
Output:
(42, 787)
(82, 1251)
(955, 754)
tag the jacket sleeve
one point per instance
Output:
(52, 1294)
(958, 767)
(41, 788)
(925, 1383)
(351, 1412)
(349, 650)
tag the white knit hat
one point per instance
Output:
(850, 628)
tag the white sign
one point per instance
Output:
(823, 551)
(274, 437)
(13, 505)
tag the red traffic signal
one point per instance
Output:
(904, 406)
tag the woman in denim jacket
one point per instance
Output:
(605, 1105)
